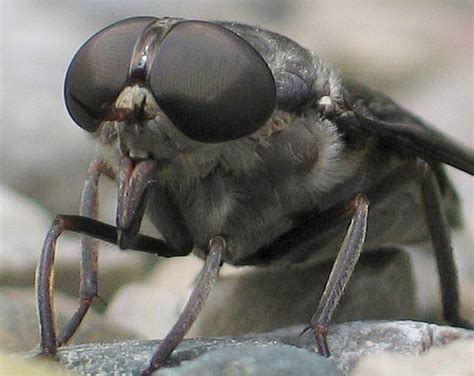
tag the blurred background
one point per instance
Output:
(420, 53)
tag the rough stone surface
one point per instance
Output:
(348, 343)
(456, 358)
(262, 360)
(226, 356)
(19, 325)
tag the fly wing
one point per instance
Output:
(377, 114)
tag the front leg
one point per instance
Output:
(207, 278)
(130, 210)
(89, 255)
(341, 272)
(89, 249)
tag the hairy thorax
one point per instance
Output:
(249, 190)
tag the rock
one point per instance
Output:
(348, 342)
(262, 360)
(265, 299)
(19, 323)
(454, 359)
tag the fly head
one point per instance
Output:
(145, 84)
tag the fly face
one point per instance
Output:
(141, 130)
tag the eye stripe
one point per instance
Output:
(146, 48)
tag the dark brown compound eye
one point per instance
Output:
(211, 83)
(99, 71)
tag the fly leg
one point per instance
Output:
(341, 272)
(132, 188)
(441, 239)
(357, 210)
(88, 286)
(350, 251)
(217, 247)
(89, 251)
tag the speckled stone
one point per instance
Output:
(454, 359)
(348, 342)
(262, 360)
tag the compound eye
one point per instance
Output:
(99, 71)
(211, 83)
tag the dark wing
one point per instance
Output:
(379, 115)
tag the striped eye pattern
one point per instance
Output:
(211, 83)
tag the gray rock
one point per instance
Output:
(262, 360)
(225, 356)
(348, 343)
(454, 359)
